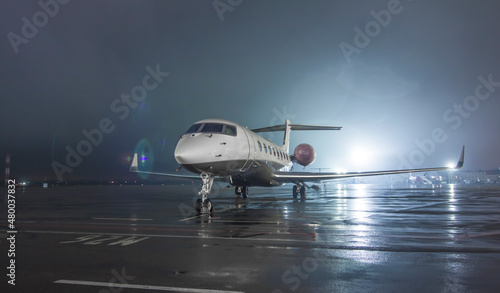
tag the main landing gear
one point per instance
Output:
(241, 192)
(299, 189)
(204, 205)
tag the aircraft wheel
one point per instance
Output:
(294, 191)
(198, 206)
(302, 192)
(210, 207)
(237, 193)
(244, 192)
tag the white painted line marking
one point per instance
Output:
(226, 209)
(198, 216)
(278, 222)
(145, 287)
(190, 218)
(122, 219)
(166, 236)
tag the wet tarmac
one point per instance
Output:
(343, 238)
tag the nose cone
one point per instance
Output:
(181, 153)
(188, 151)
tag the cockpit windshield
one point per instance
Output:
(194, 128)
(230, 130)
(213, 128)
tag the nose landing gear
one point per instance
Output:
(204, 205)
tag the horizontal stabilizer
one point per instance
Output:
(282, 127)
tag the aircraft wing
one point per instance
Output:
(292, 177)
(135, 168)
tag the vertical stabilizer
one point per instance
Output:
(286, 138)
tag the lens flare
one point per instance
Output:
(146, 157)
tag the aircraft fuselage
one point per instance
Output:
(223, 148)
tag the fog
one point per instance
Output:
(410, 82)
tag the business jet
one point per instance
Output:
(223, 150)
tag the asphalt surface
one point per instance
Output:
(343, 238)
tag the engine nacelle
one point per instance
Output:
(304, 154)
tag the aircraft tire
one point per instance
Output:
(294, 191)
(198, 206)
(208, 203)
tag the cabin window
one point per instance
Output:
(265, 148)
(260, 146)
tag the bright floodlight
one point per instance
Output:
(361, 155)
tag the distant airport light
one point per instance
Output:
(7, 168)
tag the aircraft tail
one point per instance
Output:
(287, 127)
(286, 138)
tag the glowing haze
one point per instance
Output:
(410, 82)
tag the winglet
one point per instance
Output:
(460, 163)
(134, 167)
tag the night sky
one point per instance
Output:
(410, 82)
